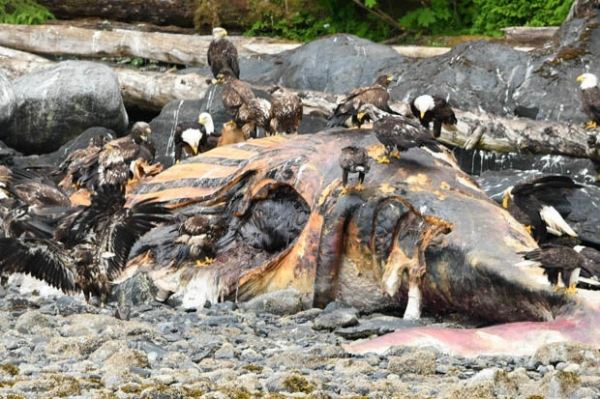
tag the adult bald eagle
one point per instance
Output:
(89, 248)
(538, 204)
(377, 95)
(432, 108)
(558, 259)
(192, 139)
(222, 54)
(354, 160)
(286, 111)
(114, 163)
(590, 98)
(396, 132)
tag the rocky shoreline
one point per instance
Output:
(59, 346)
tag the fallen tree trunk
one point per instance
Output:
(153, 90)
(160, 12)
(165, 47)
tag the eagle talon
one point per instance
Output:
(345, 190)
(558, 289)
(205, 262)
(591, 125)
(571, 290)
(395, 154)
(529, 229)
(383, 159)
(359, 187)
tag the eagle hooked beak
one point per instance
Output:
(422, 114)
(361, 116)
(194, 149)
(506, 197)
(390, 78)
(580, 78)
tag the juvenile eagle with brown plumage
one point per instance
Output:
(347, 110)
(222, 54)
(286, 111)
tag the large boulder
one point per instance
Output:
(57, 104)
(339, 63)
(7, 102)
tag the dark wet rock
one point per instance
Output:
(8, 102)
(57, 104)
(376, 325)
(283, 302)
(331, 319)
(338, 63)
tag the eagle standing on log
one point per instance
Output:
(534, 204)
(346, 112)
(222, 54)
(432, 108)
(590, 97)
(286, 111)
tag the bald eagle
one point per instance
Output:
(231, 134)
(377, 95)
(113, 164)
(396, 132)
(558, 259)
(537, 203)
(222, 54)
(235, 93)
(590, 98)
(71, 167)
(90, 246)
(432, 108)
(192, 139)
(286, 111)
(252, 115)
(354, 160)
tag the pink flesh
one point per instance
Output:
(522, 338)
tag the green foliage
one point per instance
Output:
(307, 20)
(495, 14)
(26, 12)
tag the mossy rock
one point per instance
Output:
(297, 383)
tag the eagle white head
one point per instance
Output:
(206, 120)
(587, 81)
(424, 103)
(192, 138)
(219, 33)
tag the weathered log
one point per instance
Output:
(527, 34)
(165, 47)
(160, 12)
(153, 90)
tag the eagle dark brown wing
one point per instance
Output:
(235, 94)
(123, 229)
(222, 55)
(401, 133)
(35, 190)
(376, 95)
(286, 112)
(42, 259)
(590, 99)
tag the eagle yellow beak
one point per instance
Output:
(422, 114)
(505, 200)
(390, 78)
(580, 78)
(360, 116)
(194, 149)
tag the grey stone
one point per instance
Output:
(226, 351)
(330, 320)
(8, 102)
(31, 322)
(419, 361)
(377, 325)
(283, 302)
(57, 104)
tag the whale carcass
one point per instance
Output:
(338, 246)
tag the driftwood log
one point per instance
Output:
(153, 90)
(165, 47)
